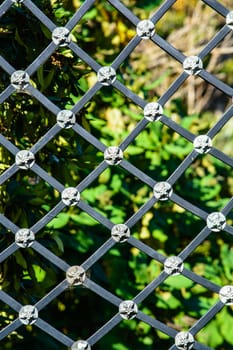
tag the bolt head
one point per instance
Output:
(145, 29)
(28, 314)
(216, 221)
(128, 309)
(24, 238)
(226, 295)
(70, 196)
(81, 345)
(61, 36)
(66, 119)
(202, 144)
(184, 341)
(153, 111)
(162, 190)
(173, 265)
(113, 155)
(106, 75)
(75, 275)
(120, 233)
(25, 159)
(20, 80)
(229, 19)
(192, 65)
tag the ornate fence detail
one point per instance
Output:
(19, 81)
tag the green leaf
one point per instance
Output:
(59, 221)
(178, 282)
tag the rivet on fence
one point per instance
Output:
(192, 65)
(162, 190)
(20, 80)
(25, 159)
(145, 29)
(81, 345)
(75, 275)
(153, 111)
(229, 19)
(128, 309)
(106, 75)
(120, 233)
(24, 238)
(226, 295)
(66, 119)
(184, 341)
(113, 155)
(202, 144)
(173, 265)
(70, 196)
(216, 221)
(61, 36)
(28, 314)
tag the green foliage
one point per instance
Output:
(74, 235)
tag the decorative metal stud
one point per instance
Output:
(66, 119)
(113, 155)
(28, 314)
(25, 159)
(70, 196)
(202, 144)
(226, 295)
(128, 309)
(145, 29)
(61, 36)
(153, 111)
(20, 80)
(229, 19)
(24, 238)
(81, 345)
(75, 275)
(216, 221)
(120, 233)
(192, 65)
(184, 341)
(173, 265)
(106, 75)
(163, 190)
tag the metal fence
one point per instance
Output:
(19, 81)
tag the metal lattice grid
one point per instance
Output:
(19, 81)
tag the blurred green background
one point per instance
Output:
(74, 235)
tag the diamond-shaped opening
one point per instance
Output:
(75, 234)
(113, 114)
(206, 183)
(194, 103)
(212, 258)
(167, 228)
(103, 32)
(24, 120)
(35, 277)
(64, 78)
(116, 194)
(92, 310)
(6, 237)
(135, 268)
(217, 333)
(28, 198)
(223, 140)
(149, 71)
(7, 158)
(178, 302)
(26, 336)
(23, 38)
(158, 150)
(7, 315)
(136, 333)
(189, 26)
(4, 80)
(68, 157)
